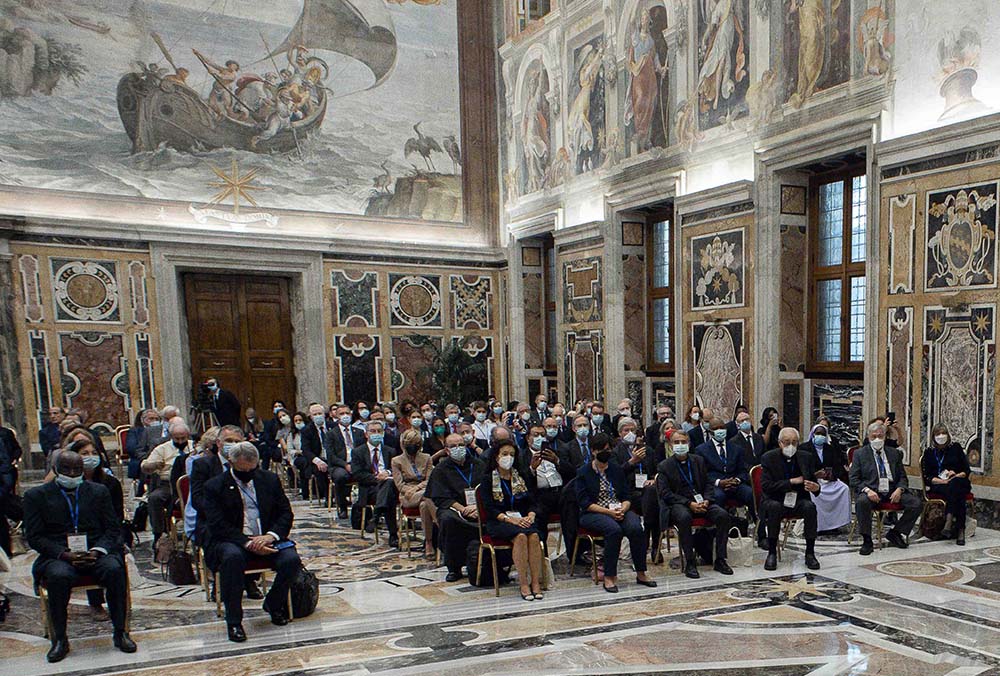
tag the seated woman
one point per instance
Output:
(434, 445)
(95, 469)
(945, 470)
(602, 493)
(290, 441)
(509, 510)
(833, 504)
(410, 471)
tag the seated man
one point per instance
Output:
(787, 479)
(877, 475)
(159, 465)
(248, 515)
(728, 473)
(683, 483)
(452, 487)
(371, 465)
(73, 527)
(340, 442)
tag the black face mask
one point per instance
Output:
(603, 456)
(413, 449)
(244, 476)
(180, 445)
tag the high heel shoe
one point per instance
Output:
(539, 596)
(527, 597)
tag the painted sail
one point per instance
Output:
(360, 29)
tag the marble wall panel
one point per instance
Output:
(31, 288)
(634, 387)
(94, 374)
(902, 231)
(841, 403)
(959, 359)
(354, 298)
(85, 290)
(415, 300)
(718, 371)
(146, 373)
(471, 297)
(412, 357)
(634, 278)
(138, 293)
(584, 366)
(41, 378)
(792, 328)
(899, 365)
(791, 408)
(583, 298)
(961, 234)
(480, 348)
(534, 329)
(717, 270)
(358, 358)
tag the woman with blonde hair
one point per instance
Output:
(410, 471)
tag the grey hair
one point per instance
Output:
(208, 438)
(626, 421)
(875, 427)
(244, 451)
(787, 432)
(368, 425)
(167, 409)
(178, 425)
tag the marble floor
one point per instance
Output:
(933, 609)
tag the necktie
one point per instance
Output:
(375, 461)
(347, 437)
(881, 464)
(722, 453)
(586, 451)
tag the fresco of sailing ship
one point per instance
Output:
(270, 106)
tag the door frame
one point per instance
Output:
(303, 269)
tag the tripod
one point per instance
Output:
(203, 419)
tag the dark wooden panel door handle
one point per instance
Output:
(218, 363)
(267, 363)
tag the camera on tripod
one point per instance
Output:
(203, 400)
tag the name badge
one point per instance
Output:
(513, 515)
(640, 480)
(698, 497)
(791, 497)
(943, 475)
(614, 505)
(470, 497)
(883, 485)
(77, 543)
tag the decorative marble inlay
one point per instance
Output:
(40, 374)
(664, 394)
(791, 396)
(899, 385)
(144, 359)
(137, 293)
(718, 375)
(914, 569)
(961, 238)
(415, 300)
(30, 287)
(634, 278)
(633, 234)
(412, 356)
(94, 376)
(717, 270)
(793, 200)
(534, 329)
(583, 290)
(584, 366)
(480, 348)
(470, 301)
(531, 256)
(791, 329)
(841, 403)
(902, 227)
(85, 291)
(959, 357)
(358, 360)
(634, 389)
(355, 298)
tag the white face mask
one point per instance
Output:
(696, 416)
(941, 439)
(789, 450)
(681, 450)
(629, 438)
(285, 420)
(877, 444)
(506, 462)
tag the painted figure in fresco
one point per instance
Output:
(581, 131)
(721, 68)
(220, 99)
(871, 41)
(812, 32)
(644, 87)
(535, 128)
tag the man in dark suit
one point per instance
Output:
(314, 446)
(728, 473)
(696, 435)
(48, 436)
(340, 441)
(746, 440)
(541, 410)
(601, 421)
(682, 482)
(733, 426)
(371, 463)
(271, 426)
(10, 507)
(787, 479)
(564, 425)
(451, 487)
(212, 463)
(877, 476)
(576, 452)
(225, 405)
(73, 527)
(248, 517)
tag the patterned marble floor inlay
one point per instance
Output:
(933, 609)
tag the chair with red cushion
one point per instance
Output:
(758, 497)
(594, 538)
(697, 523)
(255, 564)
(486, 542)
(83, 583)
(554, 519)
(933, 497)
(406, 518)
(879, 513)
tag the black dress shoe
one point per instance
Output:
(691, 571)
(124, 642)
(762, 544)
(613, 589)
(721, 566)
(866, 548)
(342, 514)
(895, 539)
(812, 563)
(59, 650)
(236, 633)
(452, 577)
(960, 541)
(253, 591)
(370, 526)
(646, 583)
(394, 542)
(771, 563)
(278, 615)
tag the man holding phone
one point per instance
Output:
(73, 527)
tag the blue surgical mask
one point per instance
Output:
(453, 418)
(497, 410)
(70, 483)
(345, 419)
(820, 439)
(745, 426)
(582, 432)
(457, 453)
(300, 425)
(598, 419)
(681, 450)
(542, 405)
(375, 438)
(551, 432)
(91, 462)
(319, 419)
(720, 434)
(537, 442)
(227, 449)
(364, 413)
(480, 417)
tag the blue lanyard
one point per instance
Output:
(508, 491)
(688, 474)
(940, 461)
(416, 471)
(74, 510)
(468, 479)
(247, 495)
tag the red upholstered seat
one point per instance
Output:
(732, 503)
(887, 506)
(700, 522)
(411, 512)
(177, 514)
(585, 532)
(496, 542)
(554, 518)
(969, 497)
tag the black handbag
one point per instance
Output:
(304, 591)
(140, 517)
(180, 568)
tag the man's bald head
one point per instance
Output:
(69, 463)
(454, 440)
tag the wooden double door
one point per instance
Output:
(240, 332)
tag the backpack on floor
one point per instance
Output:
(140, 517)
(304, 591)
(504, 562)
